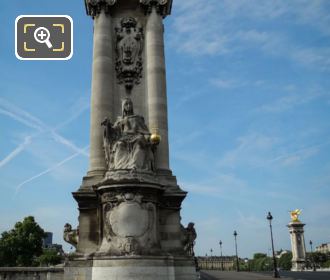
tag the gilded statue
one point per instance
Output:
(295, 215)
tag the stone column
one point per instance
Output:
(296, 230)
(156, 82)
(102, 82)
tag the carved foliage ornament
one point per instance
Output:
(94, 7)
(129, 52)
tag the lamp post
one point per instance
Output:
(270, 218)
(211, 251)
(237, 263)
(220, 243)
(312, 259)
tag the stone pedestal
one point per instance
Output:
(131, 268)
(296, 230)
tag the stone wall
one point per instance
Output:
(31, 273)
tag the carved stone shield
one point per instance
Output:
(129, 220)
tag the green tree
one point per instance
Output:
(285, 261)
(261, 262)
(21, 245)
(49, 257)
(259, 256)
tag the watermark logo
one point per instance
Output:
(45, 37)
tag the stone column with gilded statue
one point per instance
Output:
(129, 202)
(296, 229)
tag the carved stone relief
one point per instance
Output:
(129, 226)
(129, 52)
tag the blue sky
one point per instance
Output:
(249, 110)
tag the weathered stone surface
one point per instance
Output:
(32, 273)
(133, 268)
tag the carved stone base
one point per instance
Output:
(131, 268)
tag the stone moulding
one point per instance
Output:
(94, 7)
(163, 7)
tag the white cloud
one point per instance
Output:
(224, 185)
(292, 100)
(258, 150)
(227, 83)
(253, 150)
(220, 27)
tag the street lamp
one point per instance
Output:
(270, 218)
(237, 264)
(312, 259)
(220, 243)
(211, 251)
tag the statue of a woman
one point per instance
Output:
(127, 143)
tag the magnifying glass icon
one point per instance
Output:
(42, 35)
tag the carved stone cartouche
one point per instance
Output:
(129, 225)
(129, 52)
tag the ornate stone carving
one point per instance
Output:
(163, 7)
(129, 52)
(94, 7)
(71, 235)
(127, 144)
(189, 237)
(129, 226)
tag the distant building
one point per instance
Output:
(47, 243)
(323, 248)
(48, 240)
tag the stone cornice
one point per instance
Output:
(94, 7)
(163, 7)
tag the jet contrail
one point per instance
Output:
(19, 187)
(18, 150)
